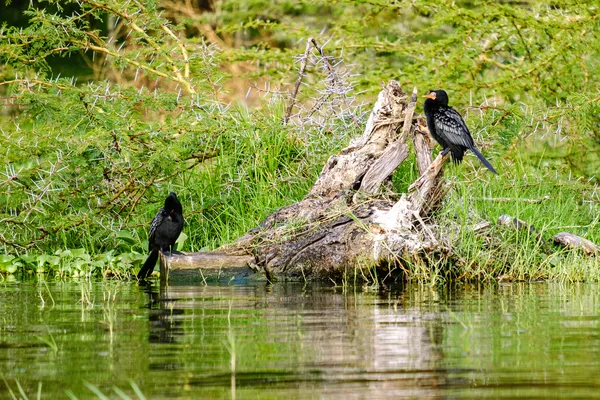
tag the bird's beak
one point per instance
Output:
(430, 96)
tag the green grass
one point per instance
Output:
(543, 197)
(257, 165)
(268, 167)
(520, 254)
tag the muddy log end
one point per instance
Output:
(206, 265)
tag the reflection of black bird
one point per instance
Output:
(448, 128)
(164, 231)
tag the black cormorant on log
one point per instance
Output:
(164, 231)
(448, 128)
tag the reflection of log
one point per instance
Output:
(342, 222)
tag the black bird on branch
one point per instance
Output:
(448, 128)
(164, 231)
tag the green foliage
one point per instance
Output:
(551, 204)
(75, 263)
(88, 158)
(518, 51)
(82, 160)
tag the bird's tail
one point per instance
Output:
(483, 160)
(149, 265)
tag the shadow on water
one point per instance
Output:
(249, 340)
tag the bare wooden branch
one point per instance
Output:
(519, 224)
(519, 199)
(332, 75)
(516, 223)
(408, 116)
(421, 141)
(483, 226)
(384, 167)
(301, 70)
(394, 155)
(343, 171)
(423, 193)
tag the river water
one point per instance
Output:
(118, 340)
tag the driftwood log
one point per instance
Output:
(344, 220)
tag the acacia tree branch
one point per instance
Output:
(179, 78)
(332, 73)
(303, 63)
(184, 53)
(30, 82)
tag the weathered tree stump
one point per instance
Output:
(343, 222)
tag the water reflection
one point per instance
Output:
(165, 321)
(296, 341)
(289, 336)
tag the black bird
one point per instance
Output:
(164, 231)
(448, 128)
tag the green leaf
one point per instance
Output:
(126, 236)
(181, 240)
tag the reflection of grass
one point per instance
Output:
(456, 318)
(230, 343)
(22, 393)
(96, 391)
(50, 341)
(230, 346)
(137, 390)
(122, 395)
(49, 294)
(538, 332)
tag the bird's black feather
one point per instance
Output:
(450, 125)
(156, 222)
(164, 231)
(449, 129)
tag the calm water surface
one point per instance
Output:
(89, 340)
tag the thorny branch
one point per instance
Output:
(178, 77)
(334, 81)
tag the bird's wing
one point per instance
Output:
(450, 125)
(156, 222)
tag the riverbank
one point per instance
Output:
(222, 202)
